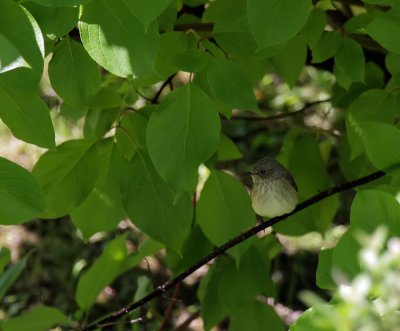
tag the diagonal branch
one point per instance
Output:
(231, 243)
(281, 115)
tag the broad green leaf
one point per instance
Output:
(60, 3)
(287, 66)
(231, 26)
(21, 40)
(253, 271)
(27, 116)
(212, 308)
(73, 74)
(107, 266)
(72, 112)
(5, 256)
(98, 122)
(350, 59)
(230, 84)
(256, 317)
(317, 315)
(166, 57)
(192, 60)
(182, 133)
(275, 21)
(21, 198)
(116, 40)
(357, 23)
(314, 27)
(106, 98)
(385, 29)
(311, 177)
(369, 210)
(66, 175)
(147, 11)
(37, 319)
(324, 271)
(224, 210)
(195, 247)
(11, 274)
(102, 210)
(392, 62)
(56, 21)
(374, 104)
(227, 150)
(380, 141)
(327, 47)
(151, 206)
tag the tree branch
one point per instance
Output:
(280, 115)
(231, 243)
(167, 82)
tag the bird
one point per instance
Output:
(273, 190)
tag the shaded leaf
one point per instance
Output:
(27, 116)
(66, 175)
(73, 74)
(36, 319)
(275, 21)
(21, 198)
(182, 133)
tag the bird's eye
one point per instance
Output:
(262, 172)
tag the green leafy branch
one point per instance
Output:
(231, 243)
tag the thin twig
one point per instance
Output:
(233, 242)
(168, 82)
(280, 115)
(168, 312)
(184, 326)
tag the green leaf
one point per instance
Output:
(231, 26)
(350, 59)
(66, 175)
(314, 27)
(27, 116)
(327, 47)
(60, 3)
(380, 143)
(147, 11)
(97, 123)
(166, 57)
(182, 133)
(73, 74)
(369, 210)
(5, 256)
(212, 309)
(275, 21)
(224, 210)
(8, 278)
(385, 29)
(311, 177)
(37, 319)
(287, 66)
(102, 210)
(256, 317)
(324, 271)
(116, 40)
(230, 84)
(104, 270)
(318, 315)
(56, 21)
(392, 62)
(21, 198)
(151, 206)
(22, 40)
(227, 150)
(254, 266)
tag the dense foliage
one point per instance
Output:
(174, 97)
